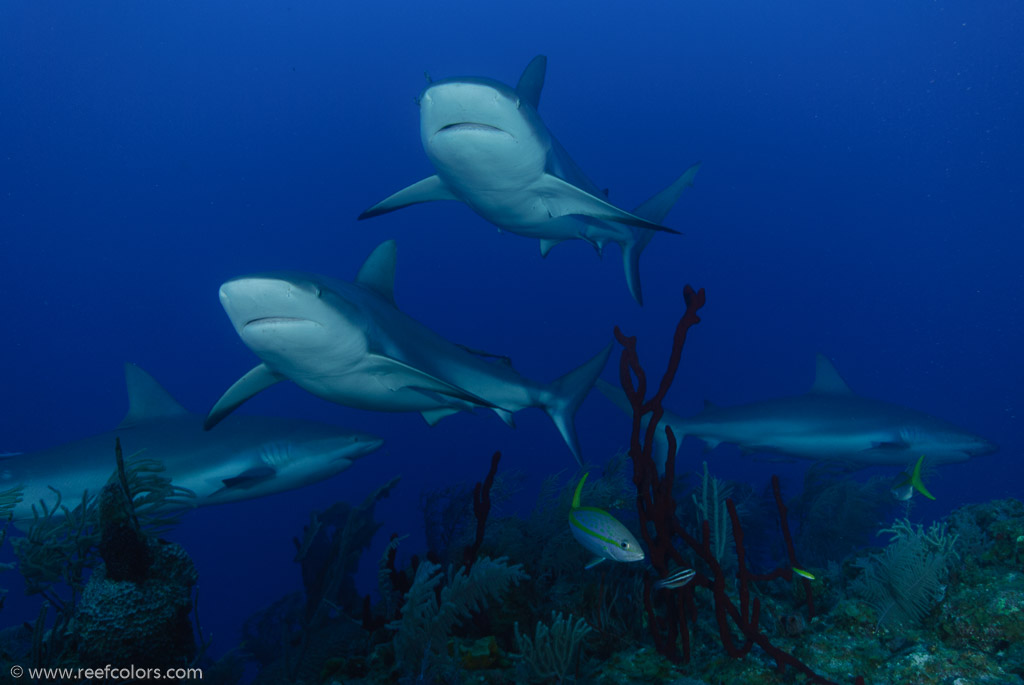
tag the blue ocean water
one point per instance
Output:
(860, 196)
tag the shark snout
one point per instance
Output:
(469, 106)
(359, 445)
(258, 301)
(981, 447)
(368, 443)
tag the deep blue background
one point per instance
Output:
(860, 196)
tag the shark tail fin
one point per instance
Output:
(562, 398)
(631, 250)
(654, 210)
(616, 394)
(915, 479)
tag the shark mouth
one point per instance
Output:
(470, 126)
(271, 320)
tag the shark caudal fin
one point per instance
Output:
(564, 396)
(654, 210)
(616, 394)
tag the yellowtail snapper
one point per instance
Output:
(601, 533)
(903, 486)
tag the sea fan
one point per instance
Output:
(428, 617)
(905, 581)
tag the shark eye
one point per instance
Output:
(319, 293)
(517, 103)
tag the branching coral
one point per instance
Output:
(554, 653)
(329, 552)
(838, 515)
(58, 547)
(430, 614)
(660, 527)
(157, 502)
(709, 505)
(8, 500)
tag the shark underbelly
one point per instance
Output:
(374, 392)
(517, 209)
(500, 385)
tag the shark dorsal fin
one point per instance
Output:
(147, 399)
(532, 81)
(378, 271)
(827, 380)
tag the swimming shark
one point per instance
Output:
(349, 343)
(829, 423)
(245, 458)
(492, 151)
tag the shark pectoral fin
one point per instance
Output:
(432, 416)
(257, 380)
(500, 358)
(897, 444)
(249, 477)
(532, 81)
(562, 198)
(428, 190)
(594, 562)
(505, 416)
(396, 375)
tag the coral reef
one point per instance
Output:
(293, 638)
(838, 515)
(127, 596)
(456, 624)
(143, 621)
(504, 597)
(8, 500)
